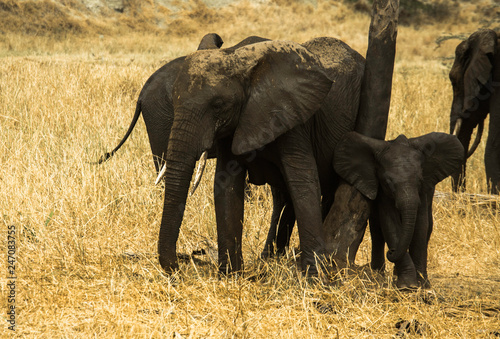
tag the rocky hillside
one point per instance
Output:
(80, 17)
(120, 5)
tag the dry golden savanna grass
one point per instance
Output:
(86, 235)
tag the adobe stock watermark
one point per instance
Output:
(11, 277)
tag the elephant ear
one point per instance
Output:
(287, 85)
(443, 155)
(480, 51)
(210, 41)
(355, 161)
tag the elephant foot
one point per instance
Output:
(377, 267)
(228, 266)
(423, 281)
(270, 252)
(314, 264)
(267, 252)
(169, 263)
(406, 284)
(406, 274)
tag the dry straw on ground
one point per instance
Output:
(86, 235)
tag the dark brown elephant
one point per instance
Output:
(273, 109)
(400, 176)
(475, 77)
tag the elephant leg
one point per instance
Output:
(492, 151)
(278, 205)
(378, 242)
(301, 175)
(159, 145)
(282, 222)
(406, 273)
(158, 114)
(229, 187)
(421, 236)
(285, 227)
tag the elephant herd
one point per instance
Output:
(286, 114)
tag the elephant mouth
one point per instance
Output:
(197, 178)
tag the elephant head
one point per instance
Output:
(473, 86)
(399, 169)
(249, 96)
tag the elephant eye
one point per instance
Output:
(217, 104)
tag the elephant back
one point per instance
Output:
(337, 57)
(345, 67)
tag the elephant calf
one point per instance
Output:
(400, 176)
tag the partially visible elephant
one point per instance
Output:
(475, 77)
(400, 176)
(274, 109)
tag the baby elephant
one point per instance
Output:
(400, 176)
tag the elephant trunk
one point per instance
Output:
(407, 204)
(181, 159)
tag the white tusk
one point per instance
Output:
(162, 173)
(458, 125)
(199, 172)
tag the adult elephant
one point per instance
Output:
(400, 176)
(273, 109)
(475, 77)
(156, 105)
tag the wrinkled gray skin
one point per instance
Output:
(275, 110)
(155, 103)
(400, 176)
(475, 77)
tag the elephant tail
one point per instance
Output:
(108, 155)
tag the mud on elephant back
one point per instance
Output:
(475, 78)
(399, 176)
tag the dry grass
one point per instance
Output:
(86, 235)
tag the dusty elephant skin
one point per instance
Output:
(400, 176)
(275, 110)
(475, 77)
(155, 104)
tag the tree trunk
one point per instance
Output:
(345, 234)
